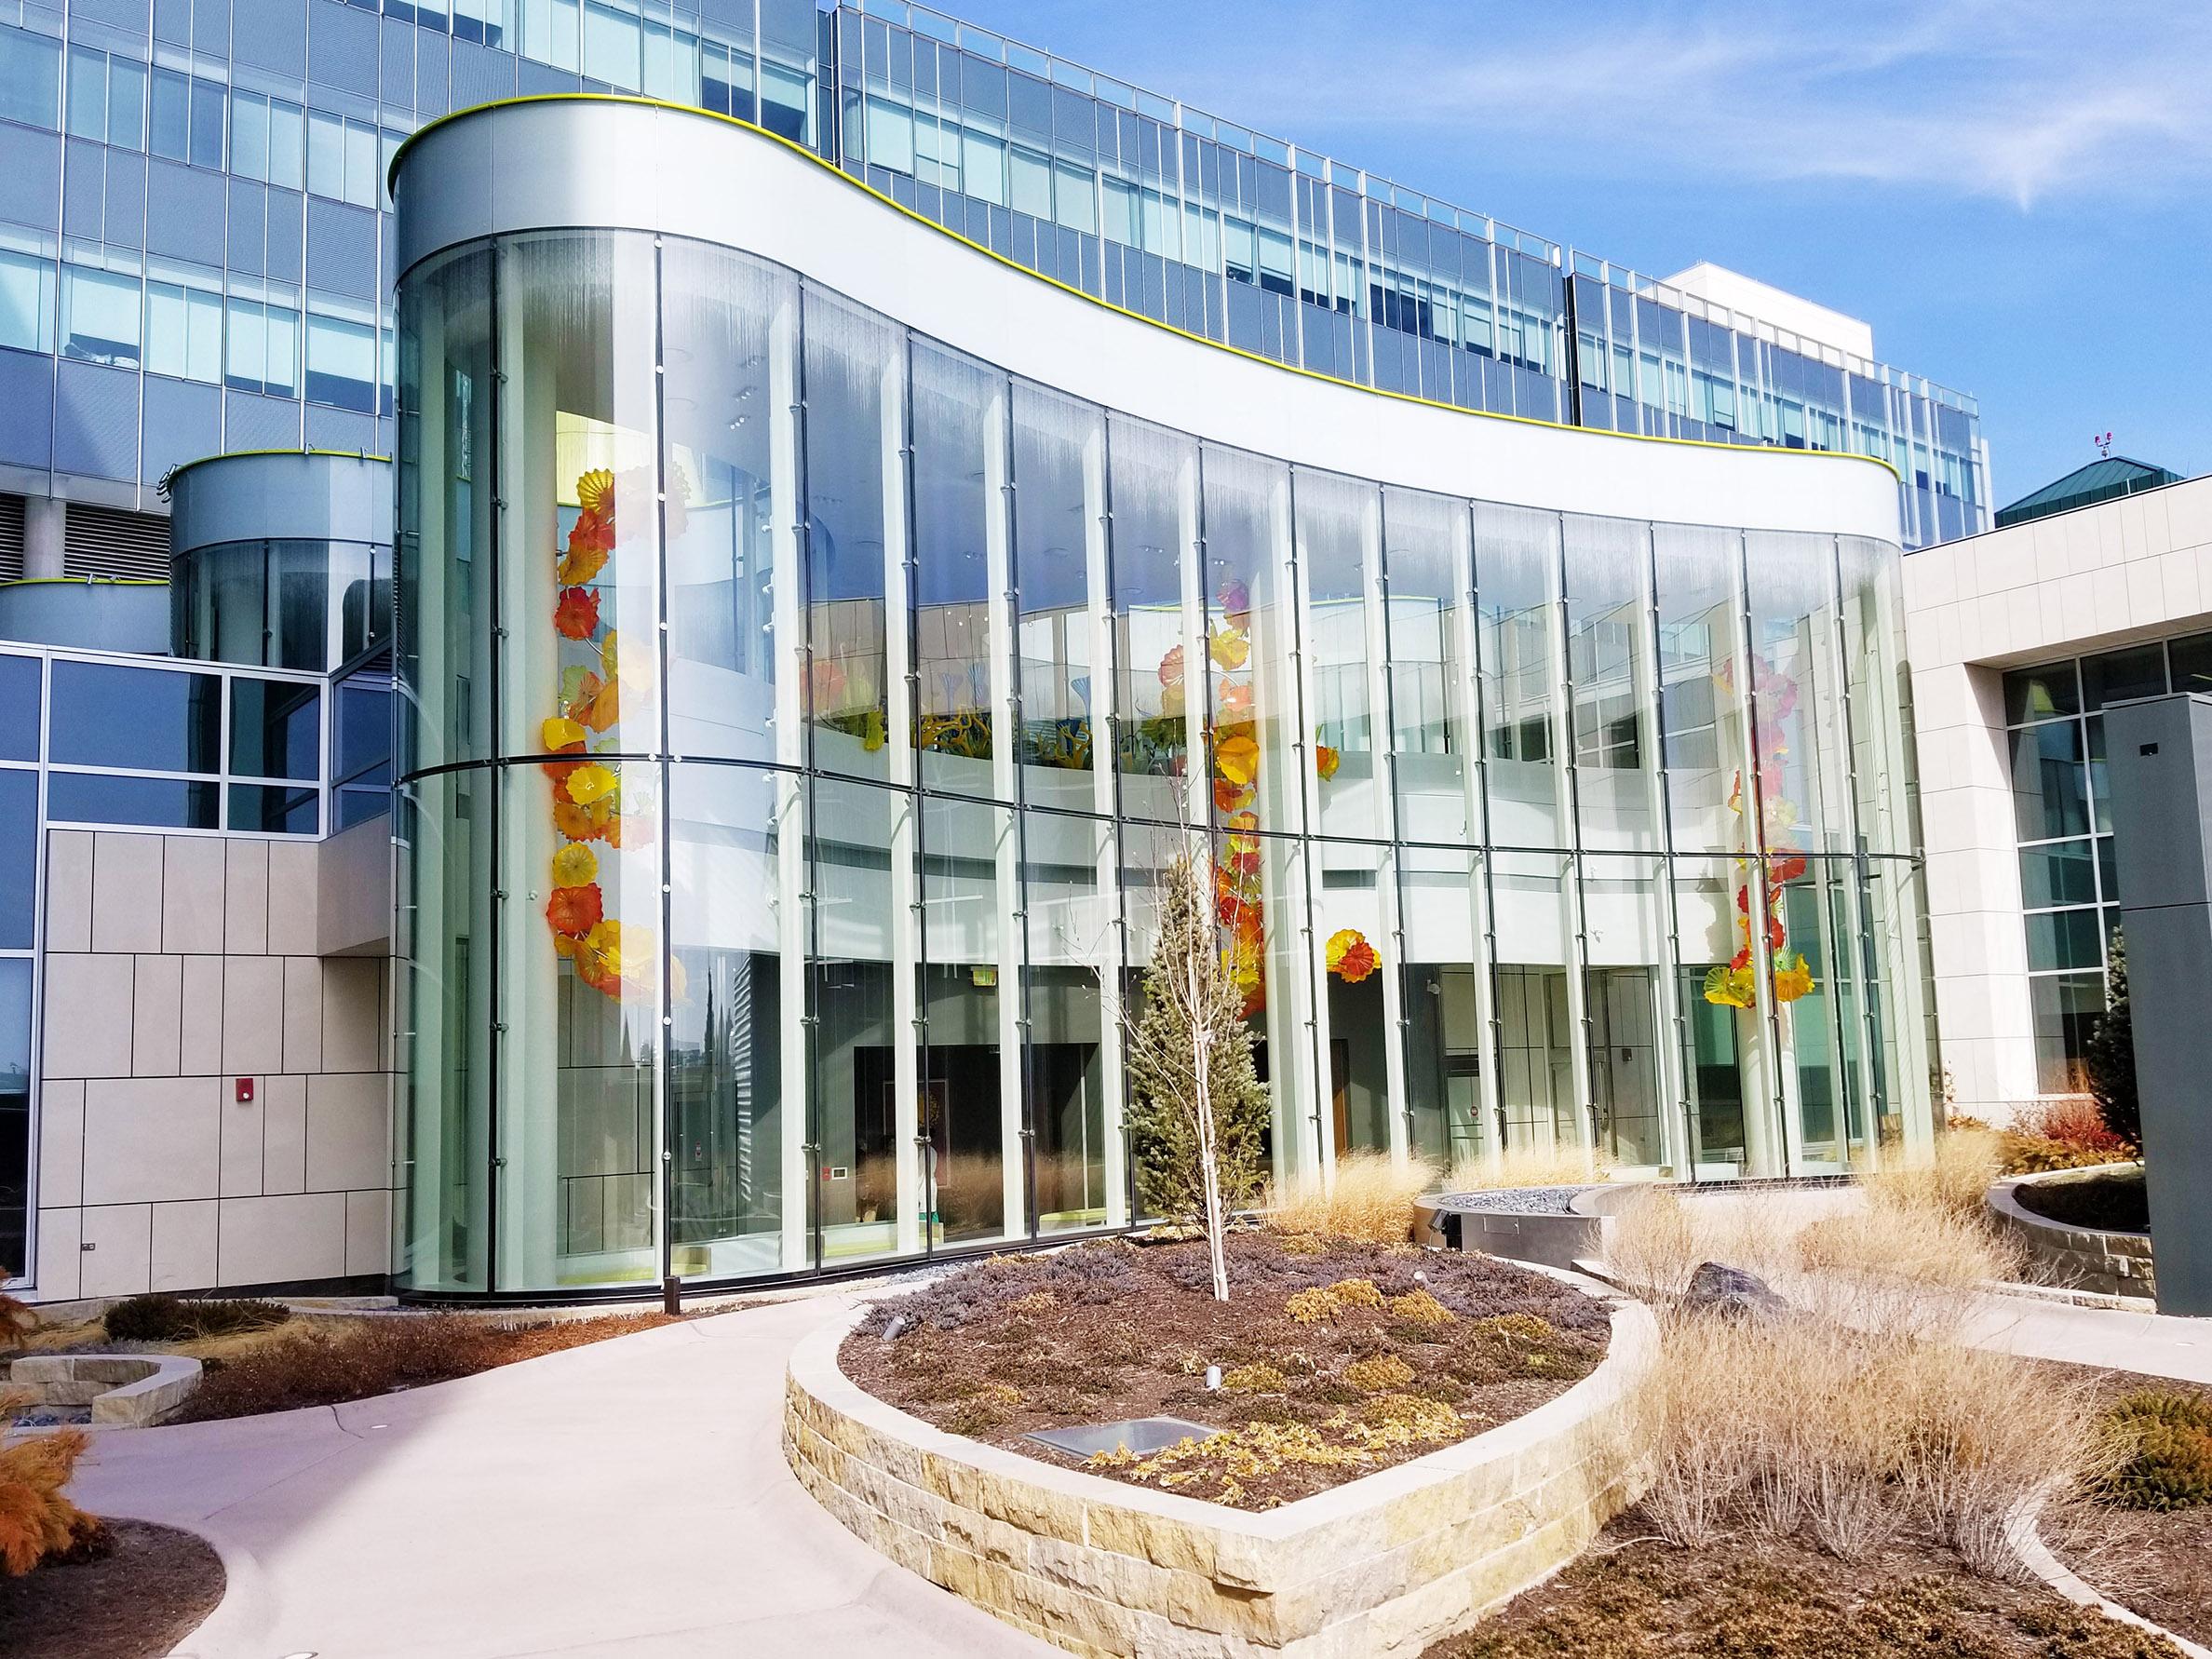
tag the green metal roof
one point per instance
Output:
(2103, 479)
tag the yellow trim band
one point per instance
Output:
(82, 581)
(392, 175)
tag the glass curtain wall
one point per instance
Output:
(799, 714)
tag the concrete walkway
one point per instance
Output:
(629, 1497)
(2155, 1344)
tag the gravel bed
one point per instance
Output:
(1514, 1201)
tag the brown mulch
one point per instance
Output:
(1425, 1348)
(144, 1593)
(330, 1361)
(1636, 1597)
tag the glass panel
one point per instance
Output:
(14, 1117)
(1537, 1091)
(444, 556)
(2065, 940)
(2056, 874)
(1336, 528)
(1610, 669)
(1700, 711)
(276, 729)
(1516, 578)
(2191, 662)
(1154, 492)
(275, 810)
(729, 321)
(20, 700)
(144, 718)
(2049, 781)
(856, 1061)
(854, 434)
(2139, 671)
(1720, 1037)
(970, 995)
(1250, 644)
(728, 1131)
(1445, 993)
(18, 868)
(1057, 453)
(158, 803)
(1429, 631)
(1625, 922)
(2067, 1007)
(1813, 965)
(959, 415)
(2100, 792)
(1350, 936)
(1797, 713)
(444, 951)
(579, 1002)
(300, 605)
(1072, 1114)
(2041, 694)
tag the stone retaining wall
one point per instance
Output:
(2077, 1258)
(123, 1390)
(1384, 1565)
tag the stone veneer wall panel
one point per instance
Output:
(174, 966)
(1384, 1565)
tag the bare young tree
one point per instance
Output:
(1198, 1109)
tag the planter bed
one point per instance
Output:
(1634, 1597)
(1380, 1565)
(1334, 1361)
(2105, 1262)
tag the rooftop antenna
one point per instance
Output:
(2104, 445)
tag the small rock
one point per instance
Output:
(1730, 1290)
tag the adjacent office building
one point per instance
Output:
(2097, 589)
(816, 622)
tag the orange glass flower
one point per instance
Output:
(1236, 757)
(1326, 761)
(1349, 956)
(1171, 667)
(1228, 797)
(575, 911)
(576, 617)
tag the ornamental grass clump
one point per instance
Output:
(1368, 1198)
(1855, 1410)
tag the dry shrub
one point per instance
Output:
(1530, 1166)
(329, 1362)
(36, 1521)
(1370, 1200)
(1862, 1410)
(1968, 1159)
(2065, 1132)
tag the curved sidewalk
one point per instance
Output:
(627, 1497)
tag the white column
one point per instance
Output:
(1300, 1033)
(45, 533)
(1568, 804)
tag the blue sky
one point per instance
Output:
(2016, 194)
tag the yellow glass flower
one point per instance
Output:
(1236, 758)
(587, 784)
(595, 491)
(1232, 648)
(574, 866)
(1793, 981)
(559, 733)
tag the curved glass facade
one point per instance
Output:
(799, 712)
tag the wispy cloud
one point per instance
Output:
(2018, 99)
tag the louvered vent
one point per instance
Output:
(11, 537)
(108, 542)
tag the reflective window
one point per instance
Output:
(145, 718)
(19, 862)
(15, 1116)
(341, 363)
(20, 700)
(100, 316)
(29, 78)
(26, 302)
(276, 728)
(155, 802)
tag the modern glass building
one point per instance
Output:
(815, 633)
(196, 254)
